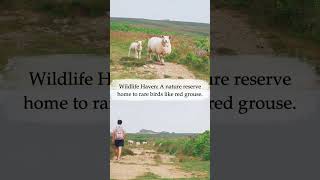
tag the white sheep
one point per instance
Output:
(144, 143)
(137, 48)
(130, 142)
(138, 143)
(161, 46)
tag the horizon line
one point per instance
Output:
(160, 19)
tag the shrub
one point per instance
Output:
(198, 146)
(202, 146)
(173, 56)
(201, 63)
(203, 43)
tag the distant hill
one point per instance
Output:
(190, 28)
(145, 131)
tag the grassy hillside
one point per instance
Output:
(187, 28)
(188, 41)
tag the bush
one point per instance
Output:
(201, 63)
(202, 146)
(174, 56)
(198, 146)
(203, 43)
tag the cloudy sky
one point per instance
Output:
(170, 116)
(176, 10)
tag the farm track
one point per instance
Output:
(147, 161)
(233, 33)
(168, 70)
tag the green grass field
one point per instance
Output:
(188, 41)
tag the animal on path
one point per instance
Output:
(144, 143)
(130, 142)
(138, 143)
(137, 48)
(160, 46)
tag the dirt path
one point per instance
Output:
(146, 161)
(168, 70)
(234, 35)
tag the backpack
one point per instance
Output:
(119, 133)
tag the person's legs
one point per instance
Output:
(116, 151)
(119, 152)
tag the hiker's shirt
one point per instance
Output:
(119, 133)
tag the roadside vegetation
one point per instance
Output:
(197, 146)
(192, 152)
(151, 176)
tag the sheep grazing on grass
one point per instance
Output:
(160, 46)
(137, 48)
(138, 143)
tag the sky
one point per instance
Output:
(170, 116)
(175, 10)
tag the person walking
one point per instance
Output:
(118, 136)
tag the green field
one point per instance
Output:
(189, 40)
(186, 28)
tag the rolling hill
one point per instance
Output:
(184, 28)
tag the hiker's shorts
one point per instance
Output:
(119, 143)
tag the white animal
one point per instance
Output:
(137, 48)
(161, 46)
(138, 143)
(130, 142)
(144, 142)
